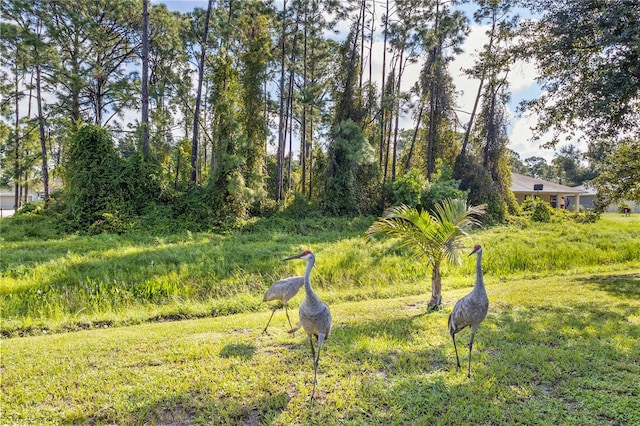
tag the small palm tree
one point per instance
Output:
(436, 236)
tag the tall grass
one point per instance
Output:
(63, 283)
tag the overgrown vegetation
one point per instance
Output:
(55, 283)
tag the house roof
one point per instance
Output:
(587, 190)
(524, 184)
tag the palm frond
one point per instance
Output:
(435, 236)
(457, 212)
(407, 224)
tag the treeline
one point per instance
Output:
(244, 108)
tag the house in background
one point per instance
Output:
(8, 198)
(588, 196)
(558, 196)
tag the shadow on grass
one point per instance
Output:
(623, 285)
(378, 344)
(238, 350)
(531, 365)
(538, 364)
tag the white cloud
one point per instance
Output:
(521, 138)
(522, 86)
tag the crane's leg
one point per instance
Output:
(473, 333)
(268, 322)
(313, 357)
(453, 336)
(286, 311)
(315, 366)
(313, 352)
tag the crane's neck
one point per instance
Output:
(479, 280)
(311, 295)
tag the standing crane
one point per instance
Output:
(282, 290)
(471, 310)
(315, 316)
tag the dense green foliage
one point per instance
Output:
(339, 136)
(103, 188)
(588, 59)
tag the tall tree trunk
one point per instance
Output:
(384, 65)
(43, 140)
(145, 79)
(99, 99)
(75, 91)
(289, 126)
(303, 133)
(414, 137)
(290, 99)
(281, 122)
(373, 12)
(312, 75)
(395, 129)
(362, 15)
(467, 132)
(16, 131)
(196, 114)
(433, 99)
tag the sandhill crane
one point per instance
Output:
(315, 316)
(471, 309)
(282, 290)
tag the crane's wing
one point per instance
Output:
(284, 289)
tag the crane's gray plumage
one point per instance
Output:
(282, 290)
(315, 316)
(471, 310)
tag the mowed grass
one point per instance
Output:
(560, 345)
(552, 350)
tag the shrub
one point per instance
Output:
(111, 223)
(538, 210)
(408, 188)
(92, 171)
(348, 175)
(443, 186)
(31, 207)
(585, 216)
(101, 187)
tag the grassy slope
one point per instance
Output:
(81, 282)
(558, 350)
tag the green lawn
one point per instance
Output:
(558, 350)
(560, 345)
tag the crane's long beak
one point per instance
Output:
(297, 256)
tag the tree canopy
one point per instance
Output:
(240, 108)
(588, 56)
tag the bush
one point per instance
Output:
(408, 188)
(443, 186)
(585, 216)
(31, 207)
(299, 207)
(538, 210)
(101, 187)
(111, 223)
(91, 172)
